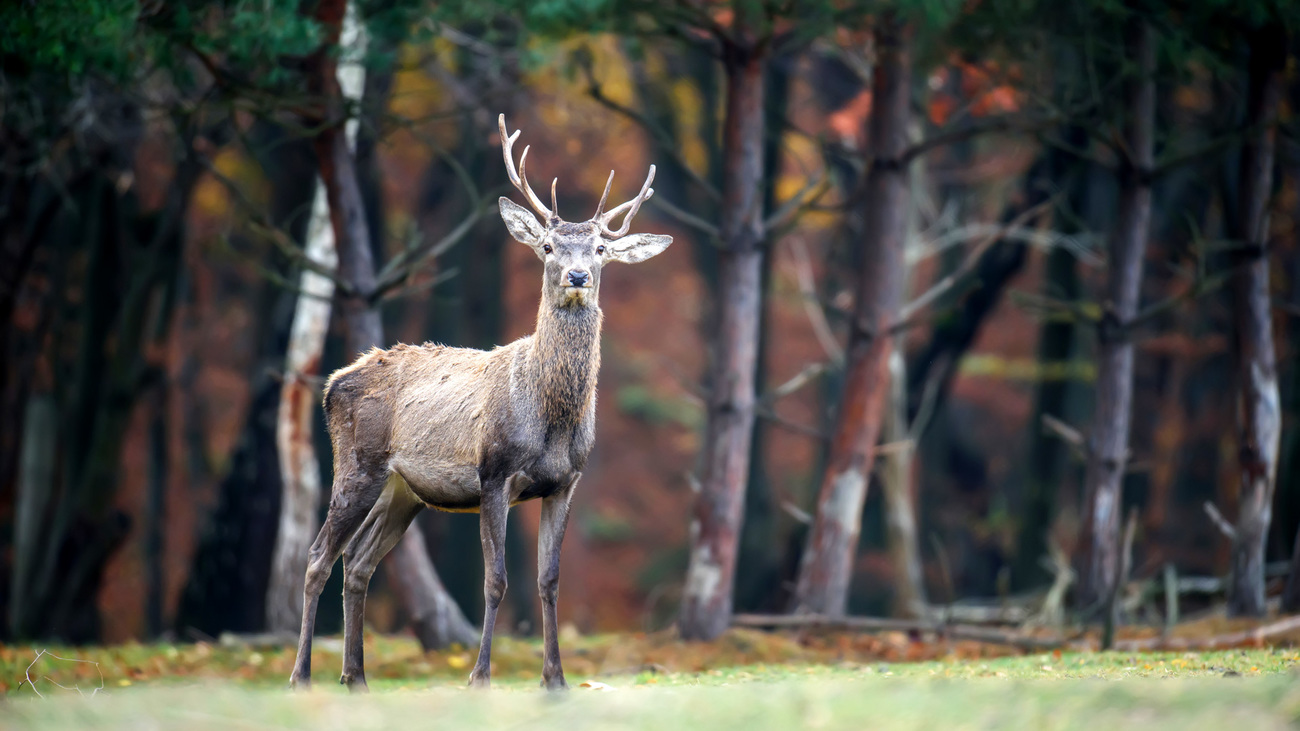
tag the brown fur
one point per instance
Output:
(443, 418)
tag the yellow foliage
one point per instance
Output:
(689, 108)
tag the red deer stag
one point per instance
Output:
(474, 431)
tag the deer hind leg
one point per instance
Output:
(353, 495)
(492, 534)
(555, 517)
(383, 527)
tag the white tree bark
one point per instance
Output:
(299, 466)
(900, 499)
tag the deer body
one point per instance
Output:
(445, 416)
(465, 430)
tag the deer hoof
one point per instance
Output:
(480, 679)
(556, 683)
(355, 683)
(297, 683)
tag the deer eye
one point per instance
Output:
(600, 249)
(546, 248)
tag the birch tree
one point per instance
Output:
(299, 464)
(435, 617)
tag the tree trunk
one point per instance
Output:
(1259, 425)
(1288, 482)
(436, 619)
(715, 530)
(900, 498)
(300, 481)
(827, 565)
(1112, 410)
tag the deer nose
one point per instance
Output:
(578, 278)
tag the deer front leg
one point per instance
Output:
(555, 517)
(492, 534)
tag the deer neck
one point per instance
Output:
(565, 359)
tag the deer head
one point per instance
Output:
(574, 253)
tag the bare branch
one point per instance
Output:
(1064, 431)
(663, 140)
(406, 264)
(987, 125)
(811, 304)
(407, 291)
(1220, 522)
(794, 511)
(260, 223)
(690, 219)
(909, 310)
(889, 448)
(798, 203)
(767, 413)
(798, 381)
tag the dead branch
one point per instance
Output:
(406, 264)
(765, 412)
(260, 223)
(798, 203)
(888, 448)
(1219, 521)
(685, 217)
(1064, 432)
(881, 624)
(27, 675)
(809, 373)
(988, 125)
(1121, 582)
(909, 310)
(811, 304)
(661, 137)
(1254, 636)
(794, 511)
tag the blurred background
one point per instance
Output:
(921, 250)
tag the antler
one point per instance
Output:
(604, 219)
(520, 177)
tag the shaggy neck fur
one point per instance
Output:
(565, 360)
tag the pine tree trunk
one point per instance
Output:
(1112, 412)
(436, 619)
(715, 530)
(1259, 426)
(827, 565)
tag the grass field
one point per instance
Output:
(210, 686)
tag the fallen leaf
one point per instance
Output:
(597, 685)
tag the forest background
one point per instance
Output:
(956, 289)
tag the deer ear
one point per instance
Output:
(521, 223)
(636, 248)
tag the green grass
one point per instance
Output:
(751, 699)
(200, 687)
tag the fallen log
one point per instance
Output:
(883, 624)
(1254, 636)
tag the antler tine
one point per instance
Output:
(519, 178)
(604, 219)
(600, 207)
(555, 208)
